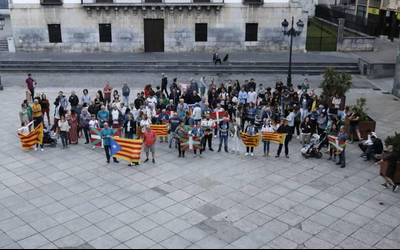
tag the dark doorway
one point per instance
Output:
(154, 35)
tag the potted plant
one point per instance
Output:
(335, 83)
(365, 123)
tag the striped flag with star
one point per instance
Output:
(95, 136)
(250, 140)
(126, 149)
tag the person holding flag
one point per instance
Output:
(197, 132)
(251, 130)
(107, 134)
(284, 129)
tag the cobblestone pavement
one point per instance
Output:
(72, 198)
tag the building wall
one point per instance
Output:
(226, 28)
(6, 31)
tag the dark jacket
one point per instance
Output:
(132, 128)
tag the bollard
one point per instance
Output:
(1, 86)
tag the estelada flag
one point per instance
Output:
(129, 149)
(218, 116)
(160, 129)
(30, 138)
(274, 137)
(95, 137)
(250, 140)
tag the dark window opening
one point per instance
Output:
(105, 33)
(201, 32)
(55, 33)
(251, 32)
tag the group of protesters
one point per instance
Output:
(187, 108)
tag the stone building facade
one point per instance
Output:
(169, 25)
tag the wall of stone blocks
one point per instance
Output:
(6, 31)
(226, 29)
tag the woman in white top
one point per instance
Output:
(145, 122)
(63, 127)
(269, 127)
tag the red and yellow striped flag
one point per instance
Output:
(130, 149)
(274, 137)
(250, 140)
(160, 129)
(28, 141)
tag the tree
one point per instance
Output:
(335, 83)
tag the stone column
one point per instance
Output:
(396, 85)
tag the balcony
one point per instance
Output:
(51, 2)
(144, 5)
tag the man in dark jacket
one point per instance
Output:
(164, 84)
(73, 100)
(130, 127)
(284, 129)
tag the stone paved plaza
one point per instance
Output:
(72, 198)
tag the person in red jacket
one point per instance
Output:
(149, 140)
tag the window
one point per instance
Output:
(253, 2)
(105, 32)
(55, 33)
(251, 32)
(51, 2)
(201, 32)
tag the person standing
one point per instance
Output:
(164, 84)
(267, 127)
(85, 118)
(130, 127)
(197, 132)
(107, 93)
(180, 134)
(174, 123)
(45, 105)
(63, 129)
(103, 115)
(125, 94)
(208, 126)
(31, 85)
(284, 129)
(149, 141)
(73, 132)
(223, 134)
(85, 99)
(342, 138)
(24, 115)
(107, 134)
(251, 130)
(73, 100)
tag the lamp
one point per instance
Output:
(285, 25)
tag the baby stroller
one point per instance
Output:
(313, 149)
(49, 140)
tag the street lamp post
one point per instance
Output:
(292, 32)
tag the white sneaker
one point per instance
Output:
(36, 149)
(298, 137)
(247, 154)
(42, 149)
(252, 154)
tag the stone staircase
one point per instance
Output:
(3, 45)
(241, 67)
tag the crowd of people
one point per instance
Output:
(298, 112)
